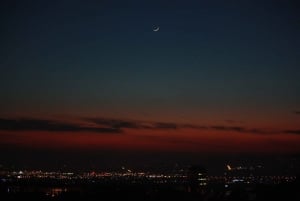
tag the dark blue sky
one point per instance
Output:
(208, 57)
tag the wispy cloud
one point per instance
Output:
(132, 124)
(161, 125)
(114, 123)
(26, 124)
(107, 125)
(241, 129)
(122, 124)
(297, 132)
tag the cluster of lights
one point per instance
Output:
(144, 176)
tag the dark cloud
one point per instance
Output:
(160, 125)
(114, 123)
(49, 125)
(297, 132)
(103, 125)
(194, 126)
(241, 129)
(297, 112)
(228, 128)
(121, 124)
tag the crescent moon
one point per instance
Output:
(156, 29)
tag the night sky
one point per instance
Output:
(94, 78)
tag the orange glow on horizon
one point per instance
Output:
(182, 140)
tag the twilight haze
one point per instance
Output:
(99, 78)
